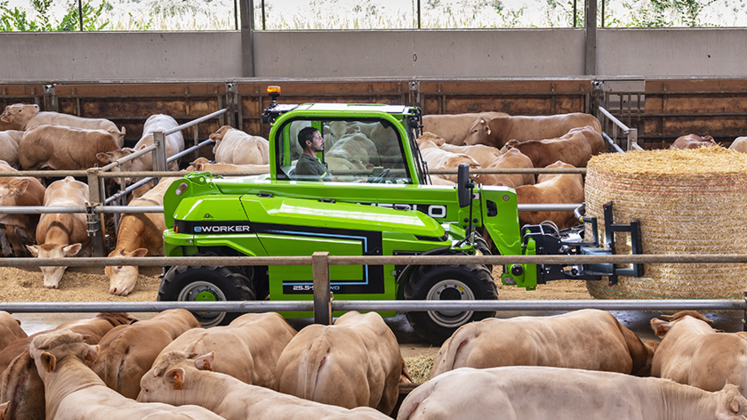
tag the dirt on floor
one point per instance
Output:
(21, 285)
(91, 285)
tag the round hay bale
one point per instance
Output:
(688, 202)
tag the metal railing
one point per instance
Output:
(323, 305)
(630, 133)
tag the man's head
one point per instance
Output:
(310, 139)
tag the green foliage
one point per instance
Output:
(16, 20)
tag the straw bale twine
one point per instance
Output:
(688, 202)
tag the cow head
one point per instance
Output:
(218, 135)
(129, 166)
(171, 375)
(198, 165)
(53, 275)
(479, 132)
(19, 114)
(49, 349)
(733, 405)
(122, 278)
(11, 190)
(428, 139)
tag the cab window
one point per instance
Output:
(354, 151)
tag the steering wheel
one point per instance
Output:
(381, 176)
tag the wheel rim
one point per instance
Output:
(202, 291)
(450, 289)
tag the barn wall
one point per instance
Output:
(154, 56)
(111, 56)
(672, 52)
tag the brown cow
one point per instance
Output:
(512, 159)
(454, 128)
(497, 131)
(693, 141)
(20, 383)
(202, 164)
(10, 329)
(74, 392)
(61, 235)
(541, 393)
(574, 148)
(25, 116)
(138, 235)
(59, 148)
(552, 189)
(183, 379)
(586, 339)
(247, 349)
(354, 363)
(128, 351)
(437, 158)
(9, 141)
(484, 155)
(21, 228)
(693, 353)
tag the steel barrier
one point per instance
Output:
(630, 133)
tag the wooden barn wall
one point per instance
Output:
(704, 107)
(667, 108)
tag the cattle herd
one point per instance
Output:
(582, 364)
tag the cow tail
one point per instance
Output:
(316, 359)
(450, 351)
(113, 364)
(414, 399)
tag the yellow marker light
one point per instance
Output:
(273, 89)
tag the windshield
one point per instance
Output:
(342, 150)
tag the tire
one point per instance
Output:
(442, 283)
(184, 283)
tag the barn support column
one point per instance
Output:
(247, 38)
(590, 23)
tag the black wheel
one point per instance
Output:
(201, 284)
(448, 282)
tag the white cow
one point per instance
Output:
(74, 392)
(154, 123)
(61, 235)
(237, 147)
(542, 393)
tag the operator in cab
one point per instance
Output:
(309, 168)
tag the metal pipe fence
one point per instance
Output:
(630, 133)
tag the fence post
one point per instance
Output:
(632, 138)
(159, 140)
(322, 294)
(93, 219)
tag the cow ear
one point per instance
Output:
(205, 362)
(49, 361)
(123, 131)
(90, 353)
(734, 406)
(71, 250)
(660, 327)
(33, 249)
(103, 157)
(177, 376)
(20, 186)
(142, 146)
(4, 409)
(140, 252)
